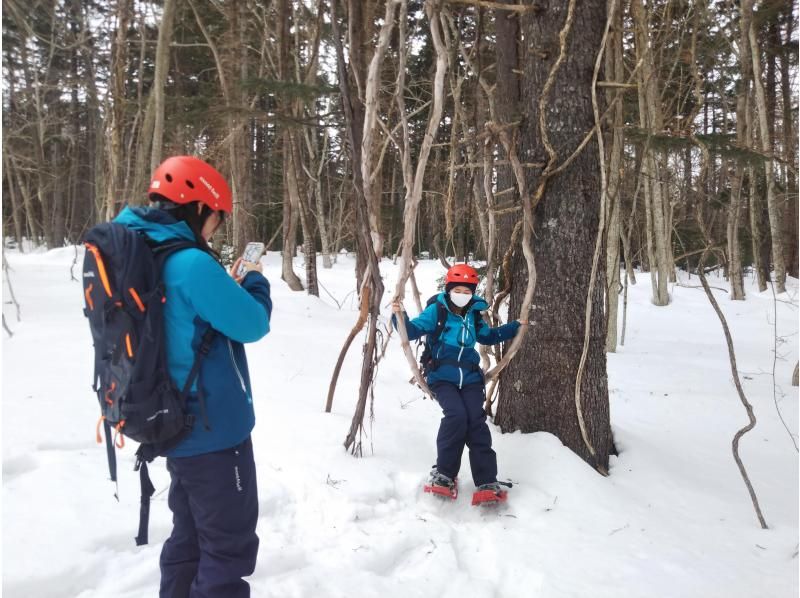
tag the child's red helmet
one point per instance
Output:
(184, 179)
(462, 274)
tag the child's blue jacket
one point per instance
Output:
(458, 361)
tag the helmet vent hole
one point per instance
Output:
(189, 184)
(169, 178)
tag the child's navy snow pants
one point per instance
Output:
(214, 503)
(464, 422)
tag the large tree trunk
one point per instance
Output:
(538, 387)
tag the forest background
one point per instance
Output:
(571, 148)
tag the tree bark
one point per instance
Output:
(537, 388)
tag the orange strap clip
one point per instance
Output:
(119, 437)
(101, 267)
(97, 430)
(128, 345)
(137, 299)
(88, 295)
(109, 391)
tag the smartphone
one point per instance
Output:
(252, 253)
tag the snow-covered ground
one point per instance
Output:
(672, 520)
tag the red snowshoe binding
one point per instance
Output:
(488, 494)
(441, 485)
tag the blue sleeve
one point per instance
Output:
(240, 312)
(423, 324)
(491, 336)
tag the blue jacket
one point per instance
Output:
(457, 341)
(201, 294)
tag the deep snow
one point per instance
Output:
(673, 519)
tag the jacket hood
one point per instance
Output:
(156, 224)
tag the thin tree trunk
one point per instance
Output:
(614, 71)
(652, 120)
(160, 80)
(742, 138)
(766, 146)
(755, 215)
(414, 182)
(790, 216)
(290, 221)
(322, 221)
(368, 274)
(116, 101)
(17, 208)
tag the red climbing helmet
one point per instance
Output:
(184, 179)
(462, 274)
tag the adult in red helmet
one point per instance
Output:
(453, 325)
(213, 494)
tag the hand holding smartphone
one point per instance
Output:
(252, 253)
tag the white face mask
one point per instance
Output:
(460, 299)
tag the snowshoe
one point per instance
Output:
(489, 494)
(441, 485)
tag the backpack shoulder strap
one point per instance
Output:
(441, 319)
(162, 251)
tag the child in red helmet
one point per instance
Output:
(455, 377)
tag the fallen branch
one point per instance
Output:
(775, 364)
(6, 328)
(748, 407)
(74, 263)
(362, 319)
(7, 270)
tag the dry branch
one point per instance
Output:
(414, 192)
(517, 8)
(362, 318)
(735, 373)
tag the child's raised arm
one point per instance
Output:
(487, 335)
(423, 324)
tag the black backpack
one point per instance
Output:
(125, 298)
(427, 363)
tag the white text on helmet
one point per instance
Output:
(210, 188)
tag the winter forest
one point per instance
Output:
(622, 173)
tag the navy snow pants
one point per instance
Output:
(214, 503)
(464, 422)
